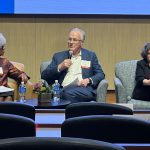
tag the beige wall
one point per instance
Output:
(33, 40)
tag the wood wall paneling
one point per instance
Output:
(31, 40)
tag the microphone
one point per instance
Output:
(70, 54)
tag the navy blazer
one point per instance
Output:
(50, 74)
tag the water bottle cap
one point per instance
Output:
(22, 82)
(56, 81)
(128, 98)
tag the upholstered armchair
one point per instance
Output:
(13, 84)
(125, 83)
(101, 89)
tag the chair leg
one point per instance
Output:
(8, 98)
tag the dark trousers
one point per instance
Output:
(78, 94)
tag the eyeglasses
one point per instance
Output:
(73, 40)
(2, 48)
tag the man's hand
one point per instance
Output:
(24, 77)
(84, 82)
(65, 64)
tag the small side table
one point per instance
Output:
(48, 105)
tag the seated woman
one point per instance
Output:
(8, 70)
(142, 88)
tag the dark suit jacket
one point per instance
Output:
(50, 74)
(142, 92)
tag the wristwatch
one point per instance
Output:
(90, 81)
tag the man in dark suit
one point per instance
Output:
(76, 64)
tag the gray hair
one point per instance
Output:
(145, 50)
(2, 40)
(82, 33)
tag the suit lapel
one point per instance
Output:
(83, 54)
(65, 56)
(83, 57)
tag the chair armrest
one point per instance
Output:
(101, 91)
(13, 84)
(121, 96)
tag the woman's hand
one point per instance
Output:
(24, 77)
(146, 82)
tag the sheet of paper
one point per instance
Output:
(4, 89)
(73, 83)
(1, 71)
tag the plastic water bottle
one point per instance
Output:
(56, 92)
(22, 92)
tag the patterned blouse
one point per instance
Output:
(9, 70)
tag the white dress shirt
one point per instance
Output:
(74, 71)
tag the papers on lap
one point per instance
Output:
(4, 89)
(73, 83)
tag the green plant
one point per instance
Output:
(41, 87)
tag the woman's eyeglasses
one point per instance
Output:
(2, 48)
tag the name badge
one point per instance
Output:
(85, 64)
(1, 71)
